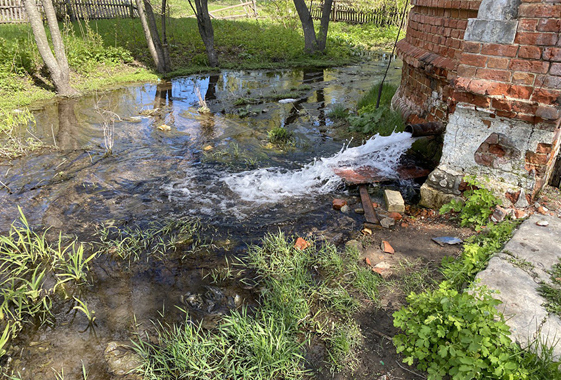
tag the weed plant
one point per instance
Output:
(32, 270)
(303, 295)
(12, 144)
(382, 120)
(339, 112)
(279, 136)
(478, 207)
(552, 292)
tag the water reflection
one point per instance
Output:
(68, 134)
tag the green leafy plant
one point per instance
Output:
(478, 207)
(279, 135)
(382, 120)
(477, 252)
(457, 333)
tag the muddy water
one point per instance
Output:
(168, 160)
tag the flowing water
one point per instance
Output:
(168, 160)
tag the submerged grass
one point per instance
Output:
(306, 298)
(157, 240)
(32, 270)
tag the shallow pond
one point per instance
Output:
(144, 153)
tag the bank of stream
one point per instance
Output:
(147, 157)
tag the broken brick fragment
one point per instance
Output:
(386, 247)
(301, 244)
(339, 203)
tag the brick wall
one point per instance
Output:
(517, 79)
(430, 51)
(522, 80)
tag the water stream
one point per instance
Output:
(168, 160)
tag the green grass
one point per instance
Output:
(158, 240)
(27, 259)
(552, 292)
(305, 296)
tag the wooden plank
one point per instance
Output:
(369, 213)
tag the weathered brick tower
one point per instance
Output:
(491, 72)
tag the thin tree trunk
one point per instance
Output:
(324, 24)
(57, 66)
(205, 30)
(165, 47)
(310, 41)
(151, 34)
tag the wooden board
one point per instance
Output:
(369, 213)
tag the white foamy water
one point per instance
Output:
(271, 185)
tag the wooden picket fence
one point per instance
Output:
(13, 11)
(344, 12)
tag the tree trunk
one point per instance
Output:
(57, 66)
(148, 21)
(310, 41)
(324, 24)
(205, 30)
(165, 47)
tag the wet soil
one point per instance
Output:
(414, 252)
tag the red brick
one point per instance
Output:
(548, 112)
(496, 75)
(529, 66)
(497, 63)
(547, 39)
(520, 92)
(547, 96)
(536, 158)
(522, 78)
(527, 117)
(548, 81)
(466, 71)
(532, 52)
(527, 25)
(499, 50)
(514, 106)
(472, 47)
(544, 148)
(552, 54)
(506, 114)
(473, 60)
(539, 10)
(555, 69)
(549, 25)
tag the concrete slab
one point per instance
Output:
(516, 274)
(519, 293)
(540, 246)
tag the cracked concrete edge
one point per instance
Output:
(516, 274)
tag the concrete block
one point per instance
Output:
(394, 201)
(492, 31)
